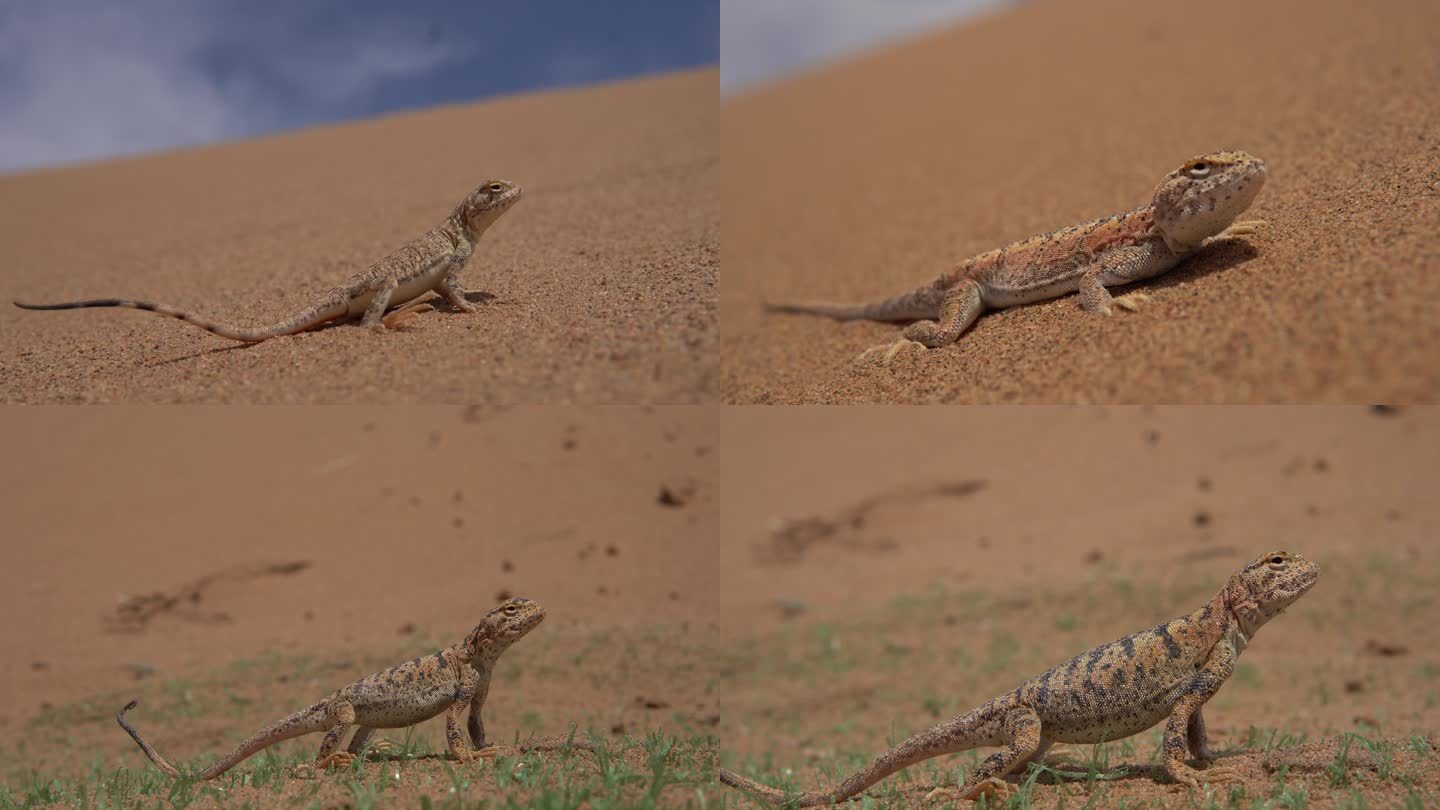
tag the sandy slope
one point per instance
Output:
(600, 286)
(870, 177)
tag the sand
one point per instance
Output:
(900, 566)
(600, 286)
(864, 179)
(353, 538)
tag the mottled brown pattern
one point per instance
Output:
(1165, 673)
(454, 680)
(431, 262)
(1191, 207)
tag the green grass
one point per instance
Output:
(662, 771)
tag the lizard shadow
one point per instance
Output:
(1216, 258)
(1068, 770)
(473, 296)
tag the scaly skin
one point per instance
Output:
(431, 262)
(1192, 207)
(454, 680)
(1118, 689)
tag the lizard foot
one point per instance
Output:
(1246, 228)
(890, 350)
(994, 789)
(1192, 777)
(1132, 301)
(488, 752)
(401, 318)
(380, 745)
(340, 759)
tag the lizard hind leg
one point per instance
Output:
(1022, 726)
(961, 307)
(342, 717)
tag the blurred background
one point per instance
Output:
(85, 80)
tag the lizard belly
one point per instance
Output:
(1105, 718)
(406, 706)
(407, 290)
(999, 295)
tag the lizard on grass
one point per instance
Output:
(431, 262)
(1192, 207)
(1113, 691)
(454, 680)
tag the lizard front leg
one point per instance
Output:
(474, 725)
(450, 288)
(1178, 728)
(1196, 739)
(1122, 266)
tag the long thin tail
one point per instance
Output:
(305, 721)
(308, 318)
(947, 738)
(922, 302)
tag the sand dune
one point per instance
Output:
(600, 286)
(864, 179)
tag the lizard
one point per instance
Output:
(454, 681)
(1165, 673)
(1192, 207)
(431, 262)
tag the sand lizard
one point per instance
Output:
(454, 680)
(431, 262)
(1192, 207)
(1113, 691)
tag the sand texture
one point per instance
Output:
(599, 286)
(228, 577)
(888, 586)
(868, 178)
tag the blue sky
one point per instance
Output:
(89, 79)
(766, 39)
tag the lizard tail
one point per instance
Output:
(140, 741)
(305, 721)
(949, 737)
(309, 318)
(922, 302)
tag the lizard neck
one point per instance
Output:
(460, 231)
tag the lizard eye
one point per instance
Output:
(1277, 560)
(1198, 169)
(496, 188)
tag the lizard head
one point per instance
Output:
(486, 203)
(503, 626)
(1263, 589)
(1203, 197)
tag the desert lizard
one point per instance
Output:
(1115, 690)
(430, 263)
(1193, 206)
(454, 680)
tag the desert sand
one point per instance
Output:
(227, 575)
(866, 178)
(599, 286)
(900, 566)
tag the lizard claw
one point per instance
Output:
(890, 350)
(1131, 302)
